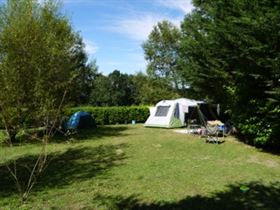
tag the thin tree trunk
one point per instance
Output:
(12, 136)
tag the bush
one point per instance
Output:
(114, 115)
(257, 131)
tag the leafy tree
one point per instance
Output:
(35, 42)
(85, 74)
(100, 94)
(150, 90)
(36, 70)
(230, 52)
(205, 72)
(156, 90)
(80, 85)
(161, 52)
(139, 80)
(116, 89)
(121, 88)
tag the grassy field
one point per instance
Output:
(132, 167)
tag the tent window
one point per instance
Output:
(162, 111)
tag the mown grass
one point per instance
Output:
(132, 167)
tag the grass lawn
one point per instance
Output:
(132, 167)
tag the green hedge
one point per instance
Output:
(114, 115)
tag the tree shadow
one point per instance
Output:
(271, 149)
(258, 197)
(101, 132)
(35, 136)
(73, 165)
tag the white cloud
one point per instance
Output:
(133, 63)
(90, 47)
(65, 1)
(139, 24)
(182, 5)
(76, 1)
(139, 28)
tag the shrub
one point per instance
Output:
(113, 115)
(257, 131)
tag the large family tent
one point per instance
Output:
(170, 113)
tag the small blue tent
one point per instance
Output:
(80, 120)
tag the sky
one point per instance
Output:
(114, 30)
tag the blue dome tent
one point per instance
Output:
(80, 120)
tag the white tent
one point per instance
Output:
(170, 113)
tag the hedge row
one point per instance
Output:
(114, 115)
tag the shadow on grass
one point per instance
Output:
(100, 132)
(273, 149)
(258, 197)
(30, 137)
(73, 165)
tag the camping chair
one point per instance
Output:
(212, 134)
(212, 128)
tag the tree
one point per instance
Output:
(36, 42)
(79, 66)
(230, 52)
(202, 68)
(100, 94)
(121, 88)
(85, 74)
(161, 52)
(150, 90)
(139, 80)
(116, 89)
(36, 70)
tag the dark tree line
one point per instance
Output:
(121, 89)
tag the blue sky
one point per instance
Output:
(114, 30)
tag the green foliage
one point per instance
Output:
(36, 43)
(114, 115)
(230, 55)
(255, 129)
(161, 52)
(152, 90)
(155, 90)
(116, 89)
(85, 73)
